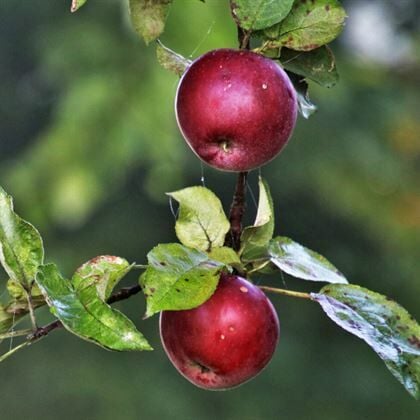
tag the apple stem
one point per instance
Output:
(243, 38)
(237, 210)
(285, 292)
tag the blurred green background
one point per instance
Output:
(89, 145)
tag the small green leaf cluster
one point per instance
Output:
(298, 37)
(201, 225)
(296, 33)
(80, 304)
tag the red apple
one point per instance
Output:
(236, 109)
(227, 340)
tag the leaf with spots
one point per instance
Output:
(309, 25)
(178, 278)
(259, 14)
(104, 272)
(170, 60)
(201, 223)
(382, 323)
(21, 248)
(260, 234)
(77, 4)
(317, 65)
(301, 262)
(85, 314)
(148, 17)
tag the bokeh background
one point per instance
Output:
(89, 145)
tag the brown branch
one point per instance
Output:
(237, 210)
(45, 330)
(121, 294)
(124, 293)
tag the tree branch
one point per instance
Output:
(237, 210)
(121, 294)
(124, 293)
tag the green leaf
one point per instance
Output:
(382, 323)
(17, 291)
(317, 65)
(310, 24)
(261, 232)
(259, 14)
(84, 314)
(226, 256)
(21, 249)
(178, 278)
(104, 272)
(148, 17)
(202, 222)
(257, 254)
(306, 107)
(301, 262)
(77, 4)
(170, 60)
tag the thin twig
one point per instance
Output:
(44, 331)
(14, 350)
(31, 309)
(285, 292)
(124, 293)
(15, 333)
(237, 210)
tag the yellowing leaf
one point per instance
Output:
(201, 223)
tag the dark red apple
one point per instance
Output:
(227, 340)
(236, 109)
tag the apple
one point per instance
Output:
(227, 340)
(236, 109)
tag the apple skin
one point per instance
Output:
(227, 340)
(236, 109)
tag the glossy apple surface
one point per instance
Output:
(236, 109)
(227, 340)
